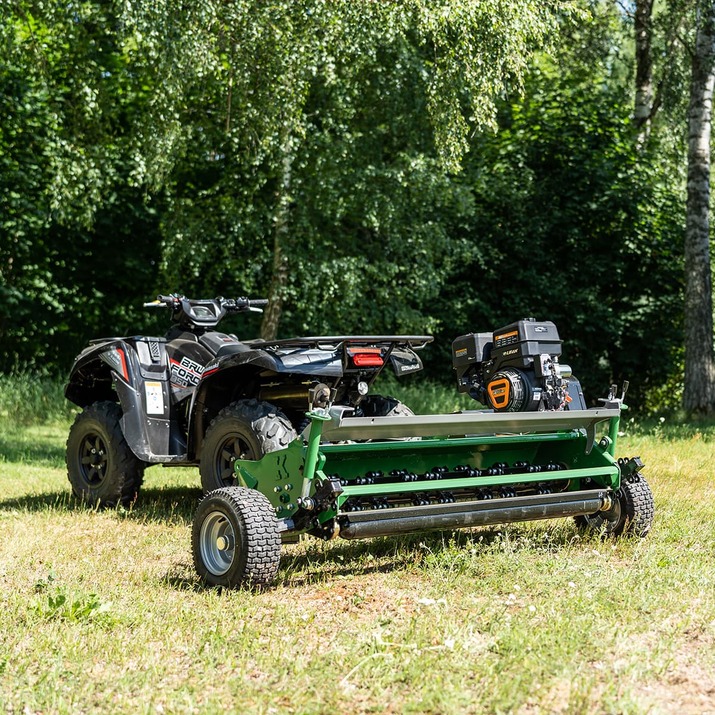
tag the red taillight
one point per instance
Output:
(123, 360)
(366, 357)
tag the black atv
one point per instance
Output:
(201, 397)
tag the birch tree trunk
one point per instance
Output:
(699, 393)
(281, 235)
(643, 109)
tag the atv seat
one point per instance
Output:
(232, 349)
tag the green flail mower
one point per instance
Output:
(362, 477)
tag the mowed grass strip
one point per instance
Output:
(102, 611)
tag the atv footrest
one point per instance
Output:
(404, 520)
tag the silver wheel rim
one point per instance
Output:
(217, 543)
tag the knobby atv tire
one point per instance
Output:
(235, 539)
(383, 406)
(632, 512)
(101, 468)
(246, 429)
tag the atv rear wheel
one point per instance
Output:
(246, 429)
(381, 406)
(235, 538)
(632, 511)
(101, 467)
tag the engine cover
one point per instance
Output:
(516, 368)
(512, 390)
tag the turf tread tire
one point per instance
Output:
(637, 511)
(258, 542)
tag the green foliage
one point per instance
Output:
(582, 229)
(76, 232)
(339, 129)
(157, 146)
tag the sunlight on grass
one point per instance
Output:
(102, 611)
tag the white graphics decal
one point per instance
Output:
(154, 398)
(185, 373)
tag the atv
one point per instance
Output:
(200, 397)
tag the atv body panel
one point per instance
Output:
(284, 372)
(135, 372)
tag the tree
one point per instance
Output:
(78, 239)
(573, 222)
(643, 109)
(699, 392)
(316, 77)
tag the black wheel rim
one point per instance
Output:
(608, 521)
(93, 459)
(233, 447)
(613, 516)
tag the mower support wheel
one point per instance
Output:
(235, 538)
(632, 511)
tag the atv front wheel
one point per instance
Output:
(246, 429)
(235, 538)
(101, 467)
(632, 511)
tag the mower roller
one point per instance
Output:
(535, 453)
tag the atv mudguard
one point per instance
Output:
(229, 377)
(133, 371)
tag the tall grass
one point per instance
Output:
(31, 399)
(425, 396)
(27, 399)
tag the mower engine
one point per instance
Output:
(516, 369)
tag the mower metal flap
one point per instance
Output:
(462, 424)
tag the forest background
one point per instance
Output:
(408, 167)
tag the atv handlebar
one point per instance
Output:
(205, 312)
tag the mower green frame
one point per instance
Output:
(326, 461)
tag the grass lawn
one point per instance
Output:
(102, 612)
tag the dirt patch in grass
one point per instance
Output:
(687, 686)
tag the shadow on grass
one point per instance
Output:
(38, 453)
(313, 562)
(392, 553)
(318, 564)
(174, 505)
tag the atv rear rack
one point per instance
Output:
(416, 342)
